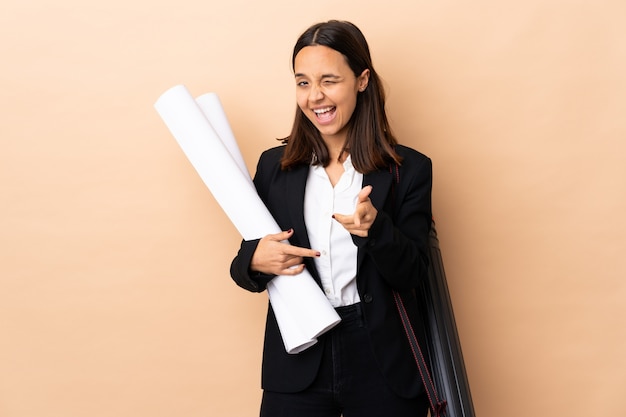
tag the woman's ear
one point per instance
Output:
(364, 80)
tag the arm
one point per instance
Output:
(398, 245)
(240, 268)
(260, 260)
(396, 239)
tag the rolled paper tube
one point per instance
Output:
(302, 310)
(212, 108)
(214, 112)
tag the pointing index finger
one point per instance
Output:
(364, 193)
(303, 252)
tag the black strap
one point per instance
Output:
(437, 406)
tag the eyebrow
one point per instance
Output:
(323, 75)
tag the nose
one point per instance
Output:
(315, 93)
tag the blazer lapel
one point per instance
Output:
(381, 183)
(294, 199)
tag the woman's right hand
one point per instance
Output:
(275, 256)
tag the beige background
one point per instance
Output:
(115, 297)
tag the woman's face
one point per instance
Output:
(326, 90)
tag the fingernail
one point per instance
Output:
(290, 230)
(318, 254)
(333, 216)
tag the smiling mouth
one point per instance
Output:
(326, 114)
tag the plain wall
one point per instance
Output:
(115, 295)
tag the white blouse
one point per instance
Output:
(337, 263)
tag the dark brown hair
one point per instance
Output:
(370, 141)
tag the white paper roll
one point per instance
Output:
(214, 112)
(302, 310)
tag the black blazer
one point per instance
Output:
(393, 256)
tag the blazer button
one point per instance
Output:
(367, 298)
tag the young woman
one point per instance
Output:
(356, 208)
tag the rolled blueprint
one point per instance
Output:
(212, 108)
(302, 310)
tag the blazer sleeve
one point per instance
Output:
(397, 241)
(240, 269)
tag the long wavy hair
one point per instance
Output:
(370, 141)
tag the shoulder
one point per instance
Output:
(269, 160)
(268, 168)
(411, 154)
(413, 160)
(272, 154)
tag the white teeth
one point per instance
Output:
(325, 110)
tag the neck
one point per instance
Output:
(334, 149)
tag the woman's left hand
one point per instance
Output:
(361, 220)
